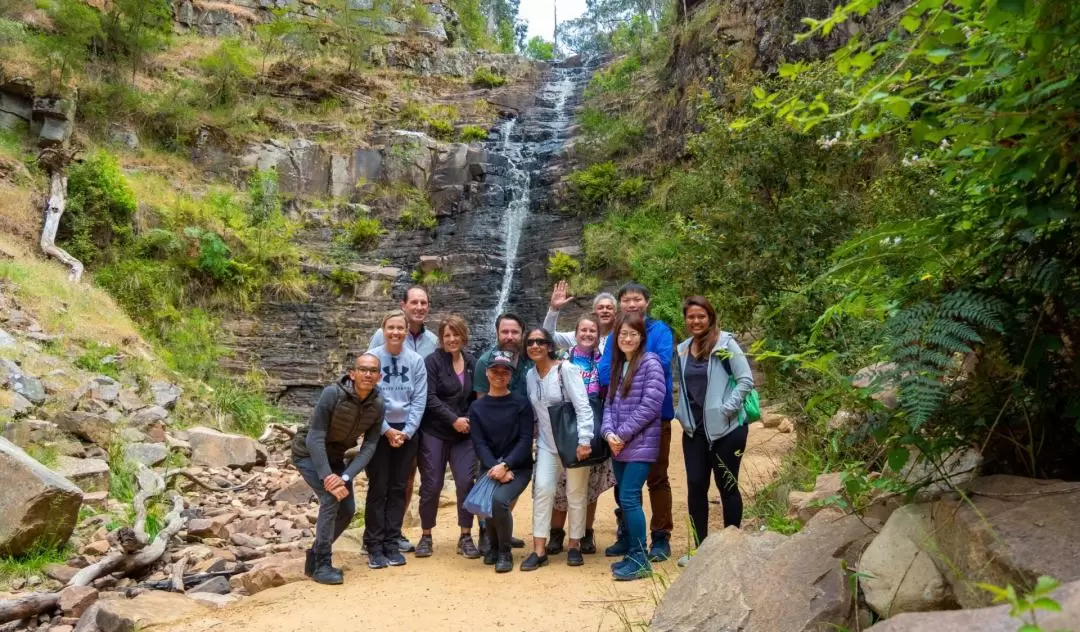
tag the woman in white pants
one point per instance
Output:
(549, 382)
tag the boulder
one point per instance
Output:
(23, 433)
(214, 527)
(75, 600)
(898, 566)
(1012, 531)
(879, 378)
(29, 387)
(130, 401)
(18, 405)
(956, 469)
(408, 158)
(151, 609)
(90, 475)
(149, 454)
(806, 504)
(767, 581)
(104, 389)
(7, 341)
(269, 573)
(37, 505)
(90, 427)
(166, 394)
(212, 448)
(296, 493)
(995, 619)
(216, 585)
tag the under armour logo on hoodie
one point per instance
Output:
(395, 371)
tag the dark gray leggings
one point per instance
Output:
(720, 461)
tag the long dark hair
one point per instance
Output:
(548, 339)
(707, 340)
(637, 323)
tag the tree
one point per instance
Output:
(539, 48)
(228, 68)
(135, 27)
(77, 26)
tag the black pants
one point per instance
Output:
(721, 459)
(388, 474)
(501, 525)
(334, 516)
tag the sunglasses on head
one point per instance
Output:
(536, 342)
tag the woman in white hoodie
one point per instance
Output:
(715, 379)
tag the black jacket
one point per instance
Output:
(502, 430)
(337, 423)
(447, 399)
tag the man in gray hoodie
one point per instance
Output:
(347, 410)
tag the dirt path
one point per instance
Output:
(448, 592)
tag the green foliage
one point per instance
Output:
(100, 359)
(100, 209)
(364, 233)
(123, 484)
(242, 401)
(134, 28)
(67, 48)
(485, 78)
(192, 345)
(418, 213)
(473, 24)
(539, 48)
(595, 184)
(33, 563)
(48, 454)
(431, 278)
(610, 136)
(437, 120)
(562, 266)
(441, 129)
(1026, 606)
(472, 134)
(228, 71)
(344, 280)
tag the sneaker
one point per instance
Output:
(620, 549)
(631, 571)
(574, 558)
(491, 557)
(325, 573)
(517, 543)
(588, 544)
(423, 547)
(505, 562)
(661, 548)
(534, 562)
(555, 542)
(377, 559)
(684, 560)
(404, 545)
(395, 558)
(467, 548)
(621, 562)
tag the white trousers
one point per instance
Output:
(546, 477)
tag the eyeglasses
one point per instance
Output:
(536, 342)
(629, 335)
(366, 370)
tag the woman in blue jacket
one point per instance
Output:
(715, 378)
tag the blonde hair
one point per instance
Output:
(397, 313)
(456, 324)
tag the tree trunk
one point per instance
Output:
(54, 209)
(27, 606)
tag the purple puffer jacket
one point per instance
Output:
(636, 418)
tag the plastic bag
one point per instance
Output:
(480, 498)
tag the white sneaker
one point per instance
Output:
(684, 560)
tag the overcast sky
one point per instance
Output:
(541, 18)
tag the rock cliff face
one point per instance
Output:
(496, 228)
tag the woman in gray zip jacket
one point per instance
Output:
(714, 379)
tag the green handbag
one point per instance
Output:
(751, 403)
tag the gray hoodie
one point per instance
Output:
(403, 387)
(723, 405)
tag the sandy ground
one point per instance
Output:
(448, 592)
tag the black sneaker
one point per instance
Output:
(555, 542)
(423, 547)
(574, 558)
(404, 545)
(467, 548)
(395, 558)
(376, 558)
(517, 543)
(505, 562)
(588, 544)
(534, 562)
(491, 556)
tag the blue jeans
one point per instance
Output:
(334, 517)
(630, 478)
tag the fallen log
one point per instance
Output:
(194, 479)
(27, 606)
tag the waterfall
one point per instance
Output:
(518, 150)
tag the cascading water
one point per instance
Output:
(522, 157)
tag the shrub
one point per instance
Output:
(418, 214)
(430, 279)
(100, 359)
(472, 133)
(191, 345)
(596, 183)
(562, 266)
(100, 209)
(343, 280)
(484, 78)
(441, 129)
(364, 233)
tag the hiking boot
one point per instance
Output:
(574, 558)
(423, 547)
(504, 562)
(517, 543)
(466, 547)
(621, 562)
(485, 541)
(376, 558)
(661, 547)
(395, 558)
(404, 545)
(309, 563)
(631, 571)
(534, 562)
(588, 544)
(555, 542)
(325, 573)
(491, 557)
(622, 538)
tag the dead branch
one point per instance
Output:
(270, 428)
(54, 209)
(176, 578)
(194, 479)
(27, 606)
(188, 581)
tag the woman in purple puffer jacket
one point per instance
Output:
(632, 429)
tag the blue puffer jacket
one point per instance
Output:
(636, 418)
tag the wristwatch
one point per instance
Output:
(345, 478)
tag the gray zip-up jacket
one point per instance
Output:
(723, 405)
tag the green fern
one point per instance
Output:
(925, 338)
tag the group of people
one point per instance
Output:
(417, 399)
